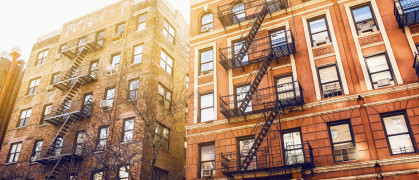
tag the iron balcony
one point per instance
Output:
(406, 12)
(75, 109)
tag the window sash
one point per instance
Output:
(128, 130)
(120, 28)
(37, 150)
(133, 89)
(41, 57)
(166, 62)
(102, 138)
(14, 152)
(24, 117)
(168, 31)
(207, 21)
(138, 54)
(141, 22)
(396, 131)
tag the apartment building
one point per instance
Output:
(80, 110)
(303, 89)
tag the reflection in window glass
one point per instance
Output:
(207, 160)
(398, 134)
(343, 144)
(319, 31)
(379, 71)
(241, 92)
(329, 81)
(207, 62)
(239, 13)
(207, 107)
(293, 148)
(245, 146)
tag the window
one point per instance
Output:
(87, 103)
(100, 36)
(168, 31)
(364, 20)
(343, 144)
(399, 136)
(141, 22)
(207, 107)
(41, 57)
(37, 150)
(239, 13)
(241, 92)
(63, 48)
(120, 28)
(133, 89)
(115, 61)
(207, 22)
(46, 114)
(128, 130)
(79, 143)
(319, 31)
(329, 81)
(162, 136)
(24, 117)
(33, 86)
(58, 145)
(206, 61)
(165, 97)
(102, 138)
(166, 62)
(293, 147)
(98, 175)
(207, 160)
(93, 69)
(138, 54)
(73, 176)
(187, 80)
(14, 152)
(55, 78)
(160, 174)
(124, 173)
(81, 43)
(110, 94)
(237, 46)
(285, 87)
(245, 144)
(379, 70)
(278, 38)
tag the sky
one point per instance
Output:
(23, 21)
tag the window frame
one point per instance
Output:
(336, 123)
(117, 65)
(14, 153)
(235, 14)
(85, 104)
(237, 104)
(93, 71)
(168, 31)
(98, 148)
(409, 128)
(284, 150)
(97, 172)
(35, 151)
(390, 68)
(106, 93)
(133, 90)
(159, 170)
(141, 22)
(331, 82)
(76, 144)
(127, 169)
(33, 90)
(167, 138)
(100, 41)
(245, 138)
(200, 157)
(211, 71)
(41, 61)
(324, 16)
(117, 28)
(372, 15)
(166, 63)
(207, 24)
(53, 80)
(130, 130)
(139, 54)
(26, 119)
(166, 91)
(200, 103)
(43, 122)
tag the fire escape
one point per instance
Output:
(407, 15)
(260, 52)
(65, 156)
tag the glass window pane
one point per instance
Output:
(318, 25)
(292, 140)
(340, 133)
(129, 124)
(382, 75)
(207, 153)
(377, 63)
(207, 66)
(207, 100)
(278, 37)
(395, 124)
(208, 18)
(206, 56)
(328, 74)
(362, 13)
(401, 144)
(207, 114)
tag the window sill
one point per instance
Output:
(29, 95)
(205, 75)
(321, 46)
(19, 128)
(368, 34)
(134, 64)
(43, 125)
(10, 163)
(205, 32)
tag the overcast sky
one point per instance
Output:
(22, 21)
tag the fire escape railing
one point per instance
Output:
(406, 12)
(416, 64)
(258, 50)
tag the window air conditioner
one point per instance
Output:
(106, 104)
(58, 56)
(365, 27)
(320, 40)
(384, 82)
(205, 29)
(207, 172)
(117, 36)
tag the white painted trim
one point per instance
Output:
(325, 56)
(206, 84)
(214, 48)
(372, 45)
(410, 40)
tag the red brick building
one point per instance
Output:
(312, 89)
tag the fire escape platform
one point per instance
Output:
(54, 159)
(66, 84)
(59, 119)
(406, 12)
(71, 53)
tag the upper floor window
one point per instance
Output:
(319, 31)
(237, 47)
(168, 31)
(36, 154)
(102, 137)
(98, 175)
(207, 160)
(398, 133)
(187, 80)
(41, 57)
(87, 103)
(162, 136)
(278, 38)
(124, 173)
(293, 147)
(245, 144)
(166, 62)
(115, 61)
(100, 36)
(241, 92)
(79, 143)
(343, 144)
(24, 117)
(58, 145)
(138, 54)
(239, 13)
(63, 48)
(206, 107)
(141, 22)
(120, 28)
(206, 61)
(364, 19)
(93, 69)
(110, 94)
(285, 88)
(379, 70)
(165, 97)
(133, 89)
(207, 22)
(14, 152)
(46, 114)
(329, 81)
(128, 130)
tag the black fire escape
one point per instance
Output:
(269, 101)
(407, 14)
(63, 158)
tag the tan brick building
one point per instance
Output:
(75, 114)
(311, 89)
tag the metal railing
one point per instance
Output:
(331, 89)
(287, 95)
(227, 17)
(60, 112)
(406, 12)
(260, 48)
(50, 154)
(416, 64)
(268, 159)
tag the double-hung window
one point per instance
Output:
(98, 175)
(169, 31)
(100, 36)
(166, 62)
(379, 70)
(93, 69)
(329, 81)
(141, 22)
(398, 133)
(364, 19)
(138, 54)
(343, 143)
(133, 89)
(58, 145)
(87, 103)
(41, 57)
(245, 144)
(110, 95)
(14, 152)
(319, 31)
(46, 114)
(293, 147)
(24, 117)
(37, 150)
(162, 136)
(285, 87)
(206, 107)
(160, 174)
(278, 38)
(102, 138)
(207, 160)
(207, 22)
(165, 97)
(206, 61)
(33, 86)
(128, 130)
(55, 78)
(241, 92)
(120, 28)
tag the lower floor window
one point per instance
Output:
(343, 141)
(207, 160)
(379, 70)
(398, 133)
(293, 147)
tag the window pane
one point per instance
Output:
(395, 124)
(207, 153)
(340, 133)
(207, 66)
(292, 140)
(138, 49)
(377, 63)
(401, 144)
(103, 133)
(328, 74)
(362, 13)
(381, 75)
(208, 18)
(318, 25)
(207, 114)
(206, 56)
(129, 124)
(207, 100)
(278, 37)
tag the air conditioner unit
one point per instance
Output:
(58, 56)
(205, 29)
(384, 82)
(111, 68)
(321, 40)
(106, 104)
(50, 87)
(365, 27)
(117, 36)
(206, 172)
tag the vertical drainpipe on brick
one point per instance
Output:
(8, 81)
(355, 79)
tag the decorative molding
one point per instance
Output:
(372, 45)
(392, 100)
(375, 175)
(325, 56)
(206, 84)
(390, 90)
(370, 39)
(322, 51)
